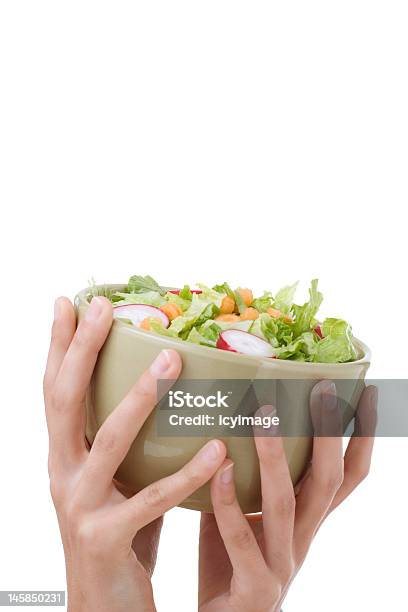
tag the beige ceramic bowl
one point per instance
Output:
(128, 351)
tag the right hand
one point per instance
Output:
(247, 563)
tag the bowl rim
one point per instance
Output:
(362, 348)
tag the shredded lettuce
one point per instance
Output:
(284, 298)
(337, 343)
(267, 328)
(304, 315)
(152, 298)
(174, 298)
(207, 334)
(185, 293)
(264, 302)
(224, 289)
(239, 301)
(140, 284)
(242, 325)
(209, 296)
(201, 309)
(289, 328)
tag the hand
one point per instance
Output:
(109, 541)
(248, 563)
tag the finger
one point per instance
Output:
(241, 545)
(358, 455)
(278, 499)
(115, 436)
(215, 571)
(63, 330)
(75, 374)
(159, 497)
(326, 472)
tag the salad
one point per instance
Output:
(271, 326)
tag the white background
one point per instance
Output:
(258, 143)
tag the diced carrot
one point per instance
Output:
(171, 310)
(274, 312)
(145, 324)
(227, 305)
(228, 318)
(246, 295)
(249, 314)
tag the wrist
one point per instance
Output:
(106, 592)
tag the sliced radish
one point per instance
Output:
(318, 331)
(177, 291)
(138, 312)
(239, 341)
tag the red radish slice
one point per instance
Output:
(177, 291)
(239, 341)
(138, 312)
(318, 331)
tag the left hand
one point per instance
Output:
(109, 538)
(247, 563)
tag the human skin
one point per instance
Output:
(110, 540)
(247, 563)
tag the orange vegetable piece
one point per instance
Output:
(227, 305)
(274, 312)
(228, 318)
(171, 310)
(145, 324)
(249, 314)
(246, 295)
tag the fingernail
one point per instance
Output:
(94, 309)
(57, 309)
(227, 474)
(211, 451)
(267, 427)
(266, 411)
(325, 387)
(160, 364)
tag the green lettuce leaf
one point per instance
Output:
(207, 334)
(302, 348)
(239, 301)
(284, 298)
(209, 296)
(185, 293)
(305, 315)
(337, 345)
(152, 298)
(225, 289)
(141, 284)
(175, 298)
(264, 302)
(201, 309)
(158, 328)
(242, 325)
(265, 327)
